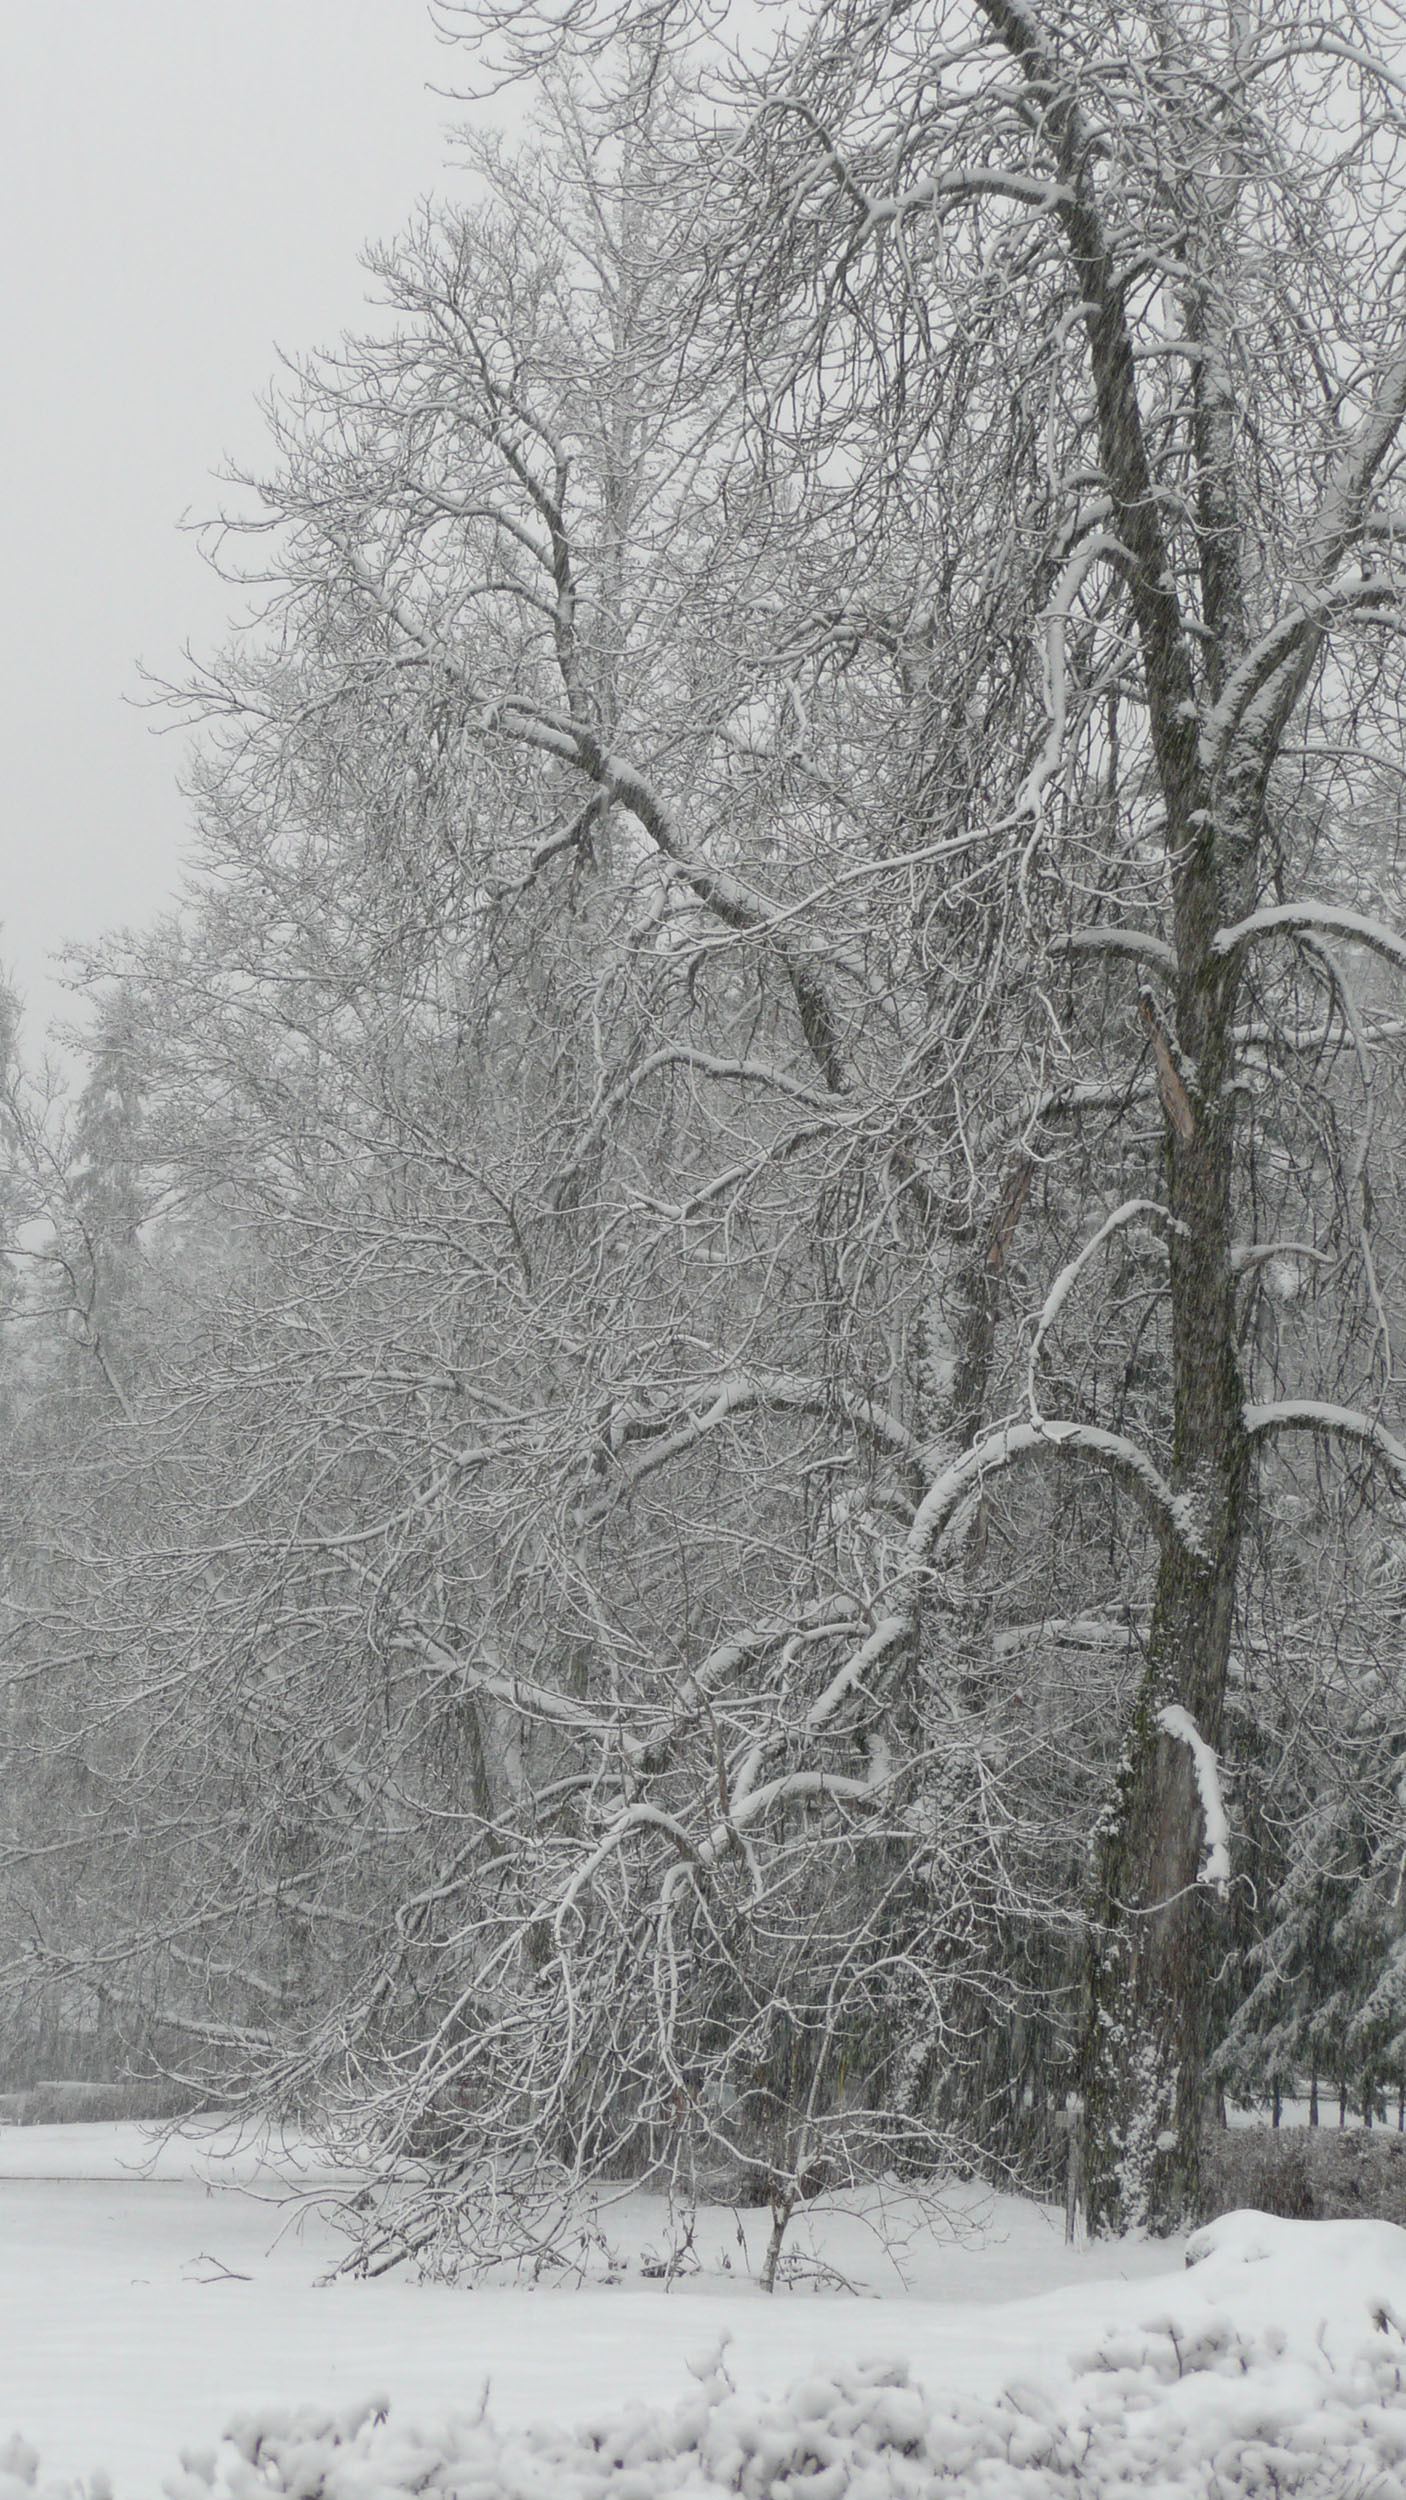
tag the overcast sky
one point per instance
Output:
(185, 188)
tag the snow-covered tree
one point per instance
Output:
(777, 1049)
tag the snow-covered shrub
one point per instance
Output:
(1190, 2412)
(1208, 2412)
(20, 2477)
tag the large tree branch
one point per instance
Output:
(1012, 1445)
(1141, 946)
(571, 740)
(789, 1393)
(730, 1831)
(1319, 919)
(1329, 1423)
(1069, 1275)
(1245, 734)
(1255, 695)
(701, 1063)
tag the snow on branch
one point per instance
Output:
(1319, 44)
(1066, 1102)
(951, 185)
(1009, 1444)
(1101, 545)
(620, 782)
(1066, 1632)
(1141, 944)
(1340, 513)
(1253, 710)
(1314, 919)
(887, 1633)
(955, 184)
(760, 1802)
(518, 1693)
(1371, 593)
(639, 1817)
(728, 1833)
(766, 1392)
(701, 1063)
(1274, 1039)
(1330, 1423)
(1215, 1866)
(819, 1620)
(822, 1619)
(1068, 1277)
(1245, 1256)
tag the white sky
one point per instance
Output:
(184, 186)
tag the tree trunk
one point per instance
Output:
(1151, 1929)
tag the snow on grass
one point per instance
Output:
(139, 2315)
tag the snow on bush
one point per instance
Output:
(1213, 2413)
(1278, 2368)
(1207, 2415)
(20, 2478)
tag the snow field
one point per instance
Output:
(140, 2318)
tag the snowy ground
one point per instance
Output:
(140, 2312)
